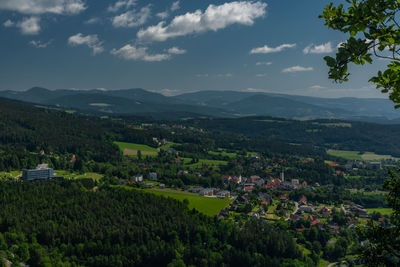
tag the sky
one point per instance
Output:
(174, 47)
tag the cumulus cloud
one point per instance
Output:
(130, 52)
(121, 4)
(297, 69)
(175, 6)
(176, 50)
(266, 49)
(213, 18)
(132, 18)
(8, 23)
(263, 63)
(318, 49)
(37, 7)
(29, 26)
(92, 41)
(40, 44)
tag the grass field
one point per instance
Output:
(208, 206)
(131, 149)
(383, 211)
(11, 174)
(222, 153)
(70, 175)
(208, 162)
(355, 155)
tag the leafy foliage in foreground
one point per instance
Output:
(54, 223)
(373, 28)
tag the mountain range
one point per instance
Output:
(219, 104)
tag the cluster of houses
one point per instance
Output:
(248, 184)
(210, 192)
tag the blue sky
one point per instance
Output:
(173, 47)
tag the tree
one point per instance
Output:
(373, 31)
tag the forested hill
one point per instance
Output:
(25, 128)
(63, 224)
(346, 135)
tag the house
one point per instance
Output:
(207, 192)
(153, 176)
(248, 187)
(137, 178)
(307, 209)
(42, 172)
(195, 189)
(295, 182)
(223, 194)
(237, 179)
(162, 186)
(374, 165)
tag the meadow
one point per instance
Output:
(206, 205)
(355, 155)
(383, 211)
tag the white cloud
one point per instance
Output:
(263, 63)
(37, 7)
(318, 49)
(176, 50)
(8, 23)
(297, 69)
(163, 15)
(29, 26)
(202, 75)
(260, 75)
(226, 75)
(317, 87)
(175, 6)
(92, 41)
(130, 52)
(93, 21)
(40, 44)
(121, 4)
(266, 49)
(132, 18)
(213, 18)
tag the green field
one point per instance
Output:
(71, 175)
(132, 146)
(11, 174)
(222, 153)
(383, 211)
(355, 155)
(206, 205)
(208, 162)
(131, 149)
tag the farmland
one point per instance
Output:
(131, 149)
(383, 211)
(206, 205)
(355, 155)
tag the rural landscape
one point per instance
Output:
(217, 176)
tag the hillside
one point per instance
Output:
(217, 104)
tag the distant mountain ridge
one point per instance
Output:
(218, 104)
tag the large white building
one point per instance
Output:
(42, 172)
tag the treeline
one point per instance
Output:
(67, 224)
(359, 136)
(25, 130)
